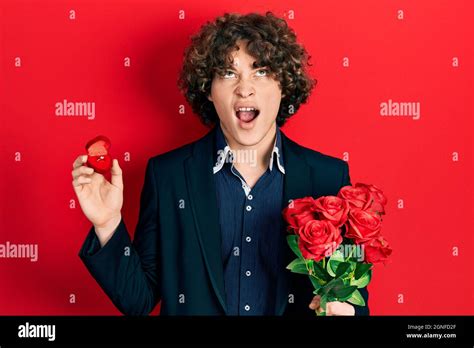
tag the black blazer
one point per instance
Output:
(175, 256)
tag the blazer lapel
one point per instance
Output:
(203, 202)
(297, 184)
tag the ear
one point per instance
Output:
(209, 97)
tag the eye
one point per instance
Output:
(228, 74)
(262, 72)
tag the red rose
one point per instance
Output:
(299, 212)
(318, 239)
(332, 209)
(362, 225)
(357, 197)
(379, 199)
(377, 250)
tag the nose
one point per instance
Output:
(244, 89)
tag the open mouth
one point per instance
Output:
(247, 114)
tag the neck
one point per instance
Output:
(259, 153)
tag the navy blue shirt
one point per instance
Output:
(250, 223)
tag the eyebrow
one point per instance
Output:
(251, 66)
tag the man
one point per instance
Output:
(210, 239)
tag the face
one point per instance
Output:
(246, 99)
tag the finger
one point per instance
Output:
(79, 161)
(116, 177)
(315, 302)
(81, 180)
(82, 170)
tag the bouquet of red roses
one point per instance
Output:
(337, 239)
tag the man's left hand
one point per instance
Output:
(332, 308)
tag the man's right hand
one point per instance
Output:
(100, 200)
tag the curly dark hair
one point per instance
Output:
(270, 41)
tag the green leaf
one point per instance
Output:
(361, 269)
(318, 291)
(346, 281)
(336, 283)
(332, 267)
(343, 268)
(349, 274)
(348, 294)
(298, 267)
(301, 269)
(334, 261)
(337, 289)
(356, 298)
(362, 281)
(343, 293)
(323, 301)
(317, 283)
(294, 263)
(293, 243)
(320, 272)
(337, 255)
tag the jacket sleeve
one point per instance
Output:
(128, 272)
(359, 310)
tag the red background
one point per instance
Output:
(407, 59)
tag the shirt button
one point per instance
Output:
(248, 239)
(248, 208)
(247, 307)
(250, 197)
(248, 273)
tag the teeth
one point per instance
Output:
(246, 109)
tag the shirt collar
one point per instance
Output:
(224, 153)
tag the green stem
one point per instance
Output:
(306, 264)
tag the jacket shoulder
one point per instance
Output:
(329, 173)
(177, 156)
(315, 158)
(173, 156)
